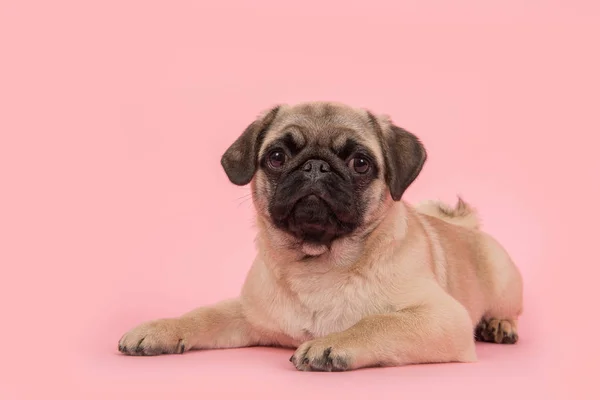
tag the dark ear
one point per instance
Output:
(241, 158)
(404, 157)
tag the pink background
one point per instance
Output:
(114, 208)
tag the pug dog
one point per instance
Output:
(347, 273)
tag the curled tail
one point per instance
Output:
(461, 214)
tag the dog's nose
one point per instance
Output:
(316, 168)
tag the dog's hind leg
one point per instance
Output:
(504, 297)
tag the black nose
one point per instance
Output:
(316, 168)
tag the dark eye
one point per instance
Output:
(276, 159)
(359, 165)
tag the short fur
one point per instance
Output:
(398, 285)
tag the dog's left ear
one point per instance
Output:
(241, 158)
(404, 156)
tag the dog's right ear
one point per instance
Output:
(241, 158)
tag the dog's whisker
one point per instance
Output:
(247, 195)
(244, 201)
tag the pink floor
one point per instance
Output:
(95, 371)
(266, 373)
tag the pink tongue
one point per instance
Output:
(311, 249)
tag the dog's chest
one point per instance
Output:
(329, 304)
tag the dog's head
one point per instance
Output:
(320, 171)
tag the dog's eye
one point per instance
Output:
(277, 159)
(359, 164)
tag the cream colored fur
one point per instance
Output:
(411, 287)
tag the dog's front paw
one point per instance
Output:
(152, 338)
(325, 354)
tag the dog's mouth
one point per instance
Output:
(312, 219)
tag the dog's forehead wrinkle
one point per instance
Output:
(328, 125)
(344, 141)
(293, 139)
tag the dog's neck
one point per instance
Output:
(279, 248)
